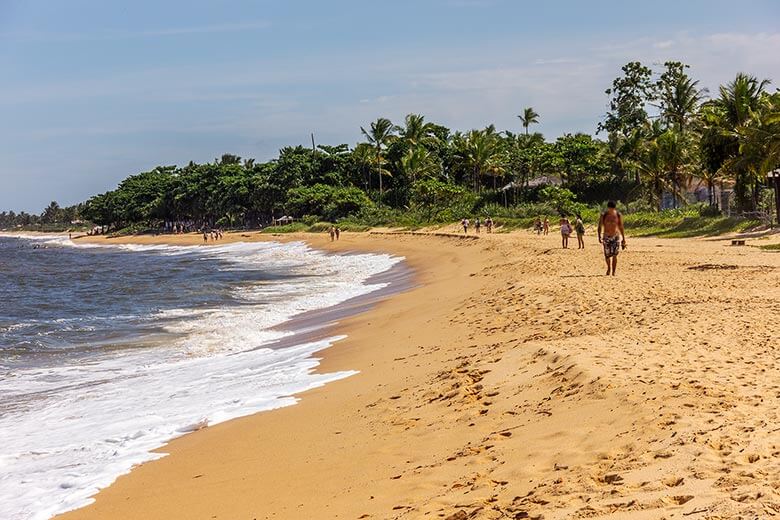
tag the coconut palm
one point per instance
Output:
(416, 131)
(363, 157)
(418, 162)
(740, 98)
(739, 105)
(650, 165)
(680, 102)
(528, 117)
(380, 135)
(676, 152)
(480, 151)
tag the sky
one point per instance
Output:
(92, 91)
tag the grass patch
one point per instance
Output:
(296, 227)
(770, 247)
(684, 224)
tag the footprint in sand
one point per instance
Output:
(674, 481)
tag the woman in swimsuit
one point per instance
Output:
(565, 232)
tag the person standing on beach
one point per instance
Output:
(477, 225)
(538, 225)
(489, 224)
(338, 233)
(465, 224)
(546, 226)
(611, 223)
(579, 228)
(565, 232)
(332, 233)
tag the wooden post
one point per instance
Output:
(777, 197)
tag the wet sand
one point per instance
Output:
(514, 381)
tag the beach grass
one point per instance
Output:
(684, 224)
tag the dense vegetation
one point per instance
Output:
(660, 131)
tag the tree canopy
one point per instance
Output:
(660, 130)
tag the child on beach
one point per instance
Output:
(546, 225)
(565, 232)
(465, 224)
(538, 226)
(579, 227)
(489, 224)
(332, 233)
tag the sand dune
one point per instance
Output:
(515, 382)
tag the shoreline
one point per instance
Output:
(307, 330)
(494, 389)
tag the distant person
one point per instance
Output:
(565, 232)
(465, 224)
(70, 236)
(546, 225)
(205, 236)
(332, 233)
(538, 226)
(338, 233)
(579, 228)
(477, 225)
(489, 224)
(614, 235)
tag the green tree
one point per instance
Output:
(416, 132)
(51, 214)
(419, 163)
(380, 134)
(528, 118)
(737, 105)
(679, 96)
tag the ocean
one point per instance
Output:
(107, 352)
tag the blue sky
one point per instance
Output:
(95, 90)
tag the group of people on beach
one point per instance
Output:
(335, 233)
(214, 234)
(567, 229)
(465, 223)
(542, 226)
(611, 233)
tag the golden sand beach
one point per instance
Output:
(514, 381)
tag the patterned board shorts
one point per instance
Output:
(611, 246)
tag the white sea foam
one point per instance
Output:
(77, 427)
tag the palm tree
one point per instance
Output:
(379, 136)
(51, 214)
(650, 165)
(737, 106)
(740, 97)
(681, 102)
(363, 156)
(480, 151)
(679, 96)
(416, 131)
(418, 162)
(528, 117)
(675, 148)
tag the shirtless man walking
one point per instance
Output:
(611, 223)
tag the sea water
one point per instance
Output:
(106, 353)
